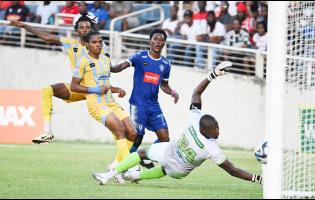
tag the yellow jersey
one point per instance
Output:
(94, 73)
(76, 50)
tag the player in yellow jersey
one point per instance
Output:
(92, 78)
(75, 48)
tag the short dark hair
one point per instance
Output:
(188, 13)
(208, 120)
(176, 7)
(88, 36)
(158, 31)
(85, 18)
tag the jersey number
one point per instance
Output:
(188, 153)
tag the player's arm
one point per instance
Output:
(120, 67)
(77, 87)
(121, 92)
(239, 173)
(219, 70)
(168, 90)
(41, 34)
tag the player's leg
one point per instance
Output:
(61, 91)
(131, 135)
(58, 90)
(158, 124)
(139, 120)
(156, 151)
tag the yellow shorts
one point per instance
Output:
(100, 111)
(74, 96)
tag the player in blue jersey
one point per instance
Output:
(151, 73)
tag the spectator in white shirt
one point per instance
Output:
(171, 24)
(192, 31)
(216, 30)
(45, 11)
(237, 38)
(260, 38)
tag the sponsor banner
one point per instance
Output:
(20, 116)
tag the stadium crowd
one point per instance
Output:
(240, 24)
(233, 23)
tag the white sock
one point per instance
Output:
(112, 165)
(47, 127)
(112, 173)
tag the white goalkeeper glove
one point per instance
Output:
(219, 70)
(257, 179)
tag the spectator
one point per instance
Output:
(253, 9)
(84, 10)
(171, 24)
(260, 38)
(17, 12)
(216, 30)
(45, 12)
(236, 38)
(192, 31)
(4, 5)
(119, 8)
(70, 8)
(101, 13)
(202, 14)
(224, 16)
(263, 14)
(248, 22)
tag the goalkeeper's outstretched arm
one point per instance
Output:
(239, 173)
(219, 70)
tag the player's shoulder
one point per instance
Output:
(165, 61)
(83, 60)
(69, 40)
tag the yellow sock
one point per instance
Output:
(47, 94)
(123, 150)
(130, 144)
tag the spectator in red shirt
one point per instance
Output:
(70, 8)
(248, 22)
(6, 4)
(17, 12)
(202, 14)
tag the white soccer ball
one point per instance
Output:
(261, 152)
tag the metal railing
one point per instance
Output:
(180, 52)
(113, 21)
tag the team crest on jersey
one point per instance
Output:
(145, 63)
(162, 68)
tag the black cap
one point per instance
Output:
(188, 13)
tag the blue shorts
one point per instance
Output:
(150, 117)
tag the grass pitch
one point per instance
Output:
(63, 170)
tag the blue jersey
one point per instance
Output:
(148, 74)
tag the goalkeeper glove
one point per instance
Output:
(257, 179)
(219, 70)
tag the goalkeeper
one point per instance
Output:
(180, 157)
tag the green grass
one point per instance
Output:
(63, 170)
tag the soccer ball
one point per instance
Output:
(261, 152)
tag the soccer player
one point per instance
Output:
(75, 48)
(179, 157)
(152, 71)
(91, 77)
